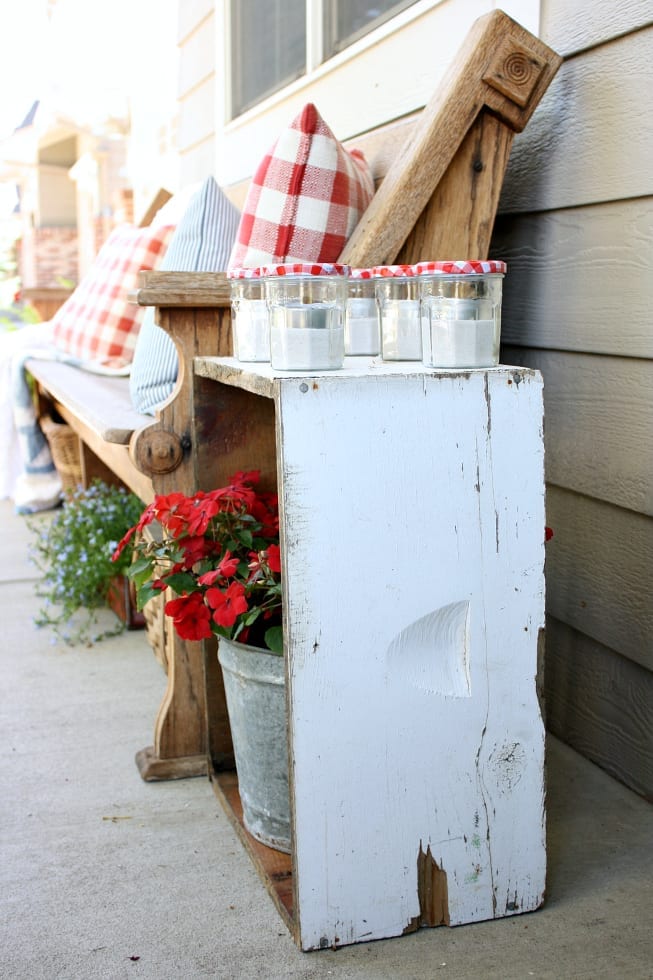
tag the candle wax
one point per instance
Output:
(401, 331)
(252, 331)
(460, 343)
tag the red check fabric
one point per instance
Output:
(305, 199)
(97, 324)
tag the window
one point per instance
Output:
(270, 43)
(347, 20)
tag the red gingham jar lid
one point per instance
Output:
(461, 267)
(242, 273)
(390, 271)
(304, 269)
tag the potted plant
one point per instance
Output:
(74, 550)
(218, 551)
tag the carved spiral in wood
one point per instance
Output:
(518, 68)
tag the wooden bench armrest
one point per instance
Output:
(182, 289)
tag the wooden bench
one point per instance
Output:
(439, 176)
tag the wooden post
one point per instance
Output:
(190, 727)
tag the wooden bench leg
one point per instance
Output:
(179, 749)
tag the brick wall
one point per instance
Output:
(55, 257)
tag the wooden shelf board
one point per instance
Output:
(274, 867)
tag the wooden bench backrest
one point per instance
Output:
(439, 197)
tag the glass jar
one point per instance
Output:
(398, 301)
(460, 312)
(362, 330)
(249, 316)
(306, 304)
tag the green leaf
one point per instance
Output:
(245, 537)
(274, 639)
(144, 594)
(181, 582)
(140, 572)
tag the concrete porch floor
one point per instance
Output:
(105, 876)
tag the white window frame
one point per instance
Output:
(391, 72)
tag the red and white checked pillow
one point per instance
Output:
(305, 199)
(97, 324)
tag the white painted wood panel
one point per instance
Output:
(412, 532)
(571, 26)
(599, 424)
(598, 572)
(591, 137)
(579, 279)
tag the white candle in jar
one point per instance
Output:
(459, 343)
(362, 326)
(309, 337)
(252, 330)
(401, 330)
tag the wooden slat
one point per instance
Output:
(161, 197)
(274, 867)
(598, 572)
(598, 431)
(102, 402)
(115, 457)
(175, 289)
(591, 139)
(579, 279)
(601, 704)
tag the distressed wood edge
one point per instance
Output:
(182, 289)
(152, 768)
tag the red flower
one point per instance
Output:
(548, 533)
(227, 567)
(190, 616)
(165, 509)
(274, 557)
(122, 544)
(227, 605)
(202, 510)
(195, 549)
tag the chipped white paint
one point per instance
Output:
(413, 528)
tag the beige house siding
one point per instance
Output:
(197, 91)
(576, 229)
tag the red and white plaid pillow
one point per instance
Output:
(97, 324)
(305, 199)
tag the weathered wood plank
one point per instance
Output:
(579, 279)
(599, 424)
(173, 289)
(598, 572)
(411, 638)
(561, 159)
(102, 402)
(601, 704)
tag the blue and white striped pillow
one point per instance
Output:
(202, 242)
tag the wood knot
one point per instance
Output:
(156, 451)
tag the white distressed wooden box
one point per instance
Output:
(412, 523)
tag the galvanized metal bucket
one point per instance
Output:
(254, 682)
